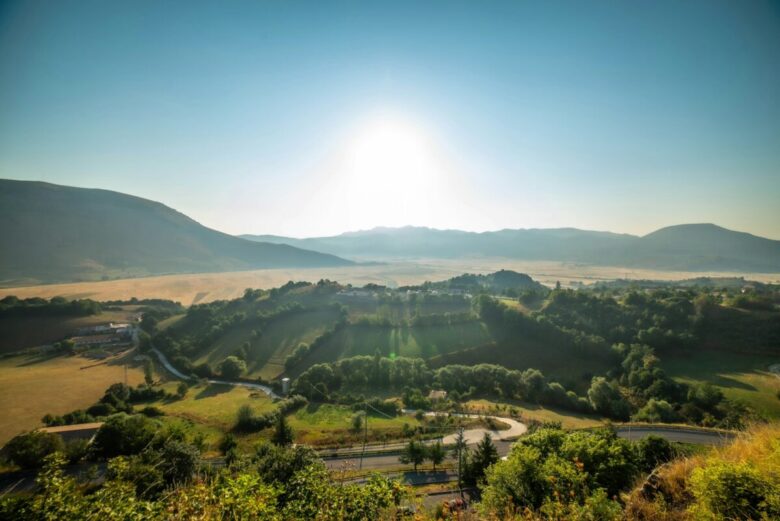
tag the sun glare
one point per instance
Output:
(389, 157)
(391, 169)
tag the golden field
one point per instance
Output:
(194, 288)
(31, 387)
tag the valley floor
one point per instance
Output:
(198, 288)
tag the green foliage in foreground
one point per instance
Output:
(310, 493)
(559, 473)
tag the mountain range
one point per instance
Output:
(685, 247)
(53, 233)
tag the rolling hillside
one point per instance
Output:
(51, 233)
(688, 247)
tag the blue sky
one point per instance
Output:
(313, 118)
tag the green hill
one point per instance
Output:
(334, 322)
(52, 233)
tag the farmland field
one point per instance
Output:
(327, 424)
(281, 337)
(413, 342)
(31, 387)
(199, 288)
(739, 376)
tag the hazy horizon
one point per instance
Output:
(297, 120)
(402, 226)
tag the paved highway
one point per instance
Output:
(676, 434)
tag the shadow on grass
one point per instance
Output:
(731, 383)
(38, 359)
(213, 390)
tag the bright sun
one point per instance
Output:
(389, 157)
(391, 171)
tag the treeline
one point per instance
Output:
(154, 302)
(303, 350)
(655, 397)
(663, 319)
(117, 398)
(12, 306)
(248, 421)
(204, 324)
(511, 324)
(326, 381)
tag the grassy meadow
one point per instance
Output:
(533, 412)
(740, 376)
(211, 410)
(420, 341)
(328, 424)
(31, 387)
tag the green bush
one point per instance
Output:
(29, 450)
(725, 490)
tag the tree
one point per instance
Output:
(232, 367)
(656, 411)
(124, 435)
(283, 433)
(181, 389)
(607, 400)
(357, 422)
(483, 457)
(67, 346)
(415, 453)
(436, 454)
(654, 451)
(179, 461)
(227, 443)
(148, 372)
(29, 450)
(276, 464)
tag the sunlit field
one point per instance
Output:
(205, 287)
(739, 376)
(31, 387)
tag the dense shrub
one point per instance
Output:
(123, 435)
(232, 367)
(29, 450)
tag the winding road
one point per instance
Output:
(474, 436)
(675, 434)
(178, 374)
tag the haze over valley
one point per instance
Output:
(511, 260)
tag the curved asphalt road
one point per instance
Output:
(178, 374)
(676, 434)
(631, 433)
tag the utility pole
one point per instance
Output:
(365, 436)
(460, 442)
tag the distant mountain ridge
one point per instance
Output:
(686, 247)
(53, 233)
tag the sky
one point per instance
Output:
(315, 118)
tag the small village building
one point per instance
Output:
(437, 395)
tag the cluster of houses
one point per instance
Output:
(111, 334)
(366, 293)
